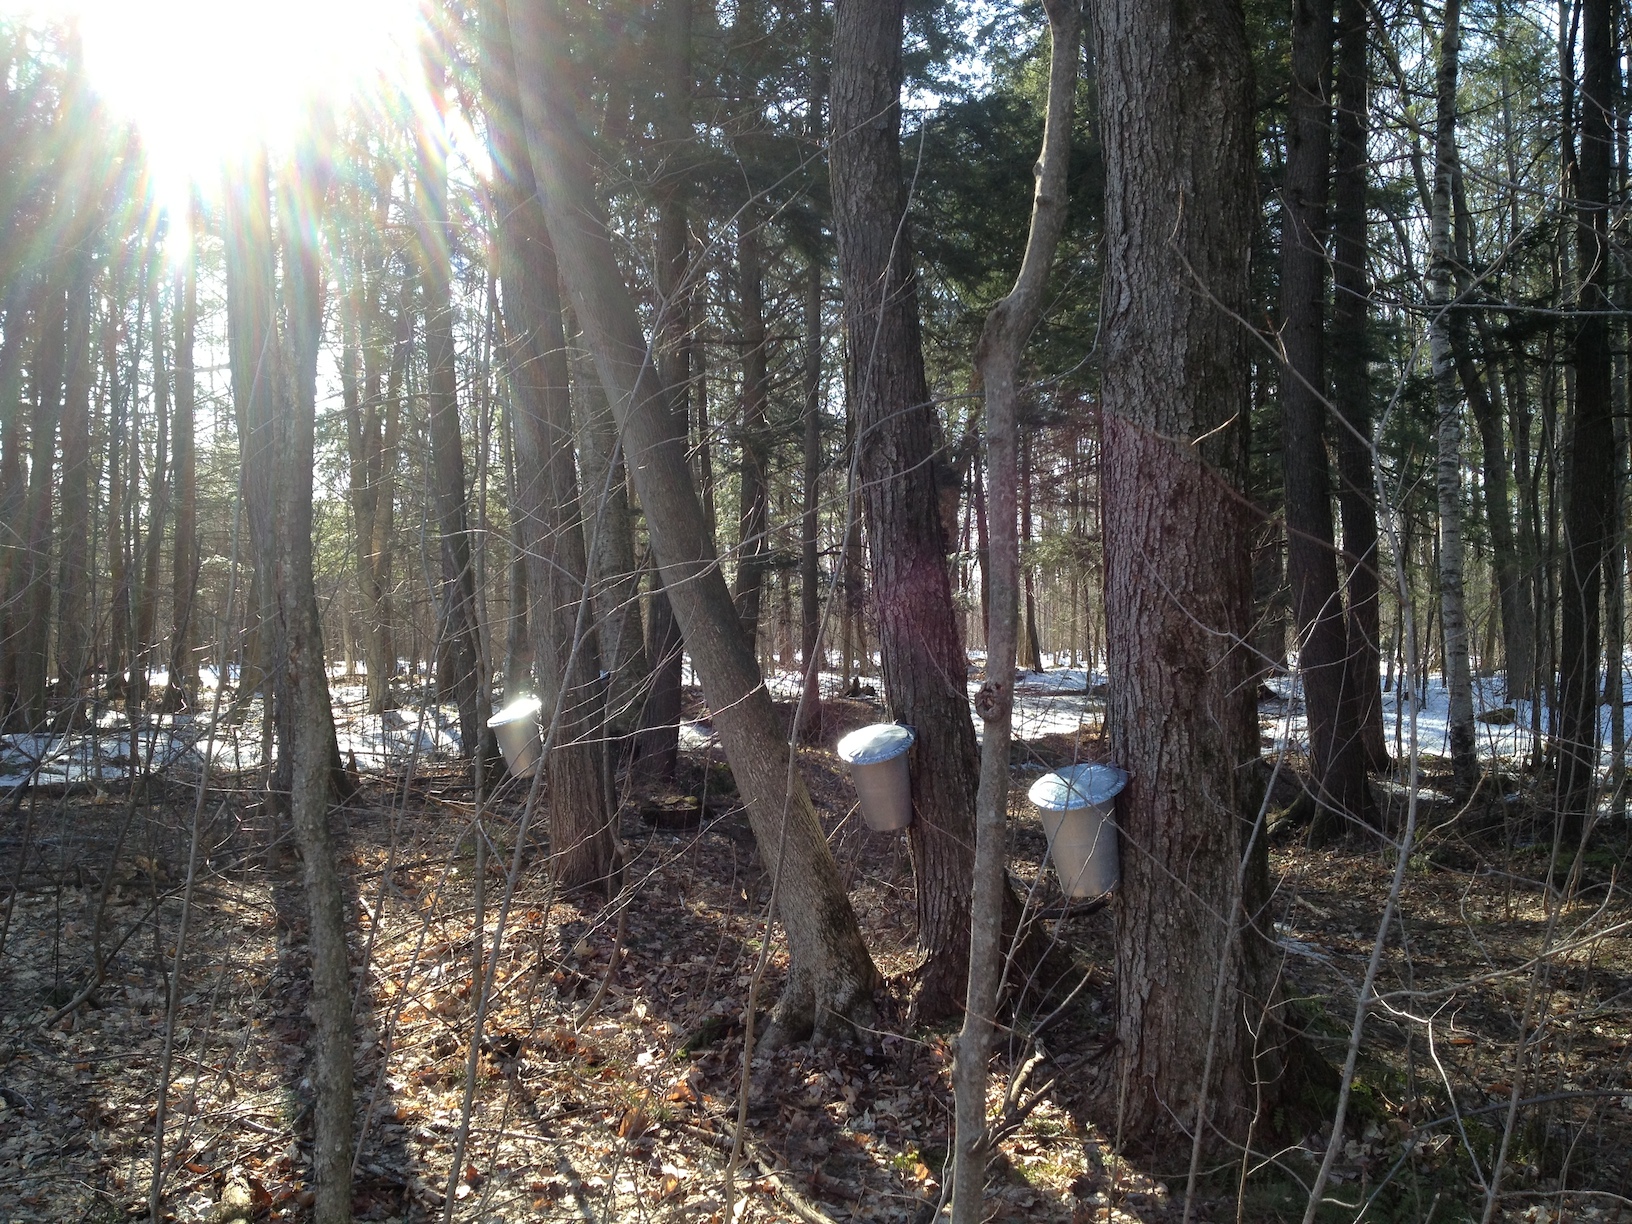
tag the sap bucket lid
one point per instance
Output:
(520, 708)
(1078, 786)
(879, 742)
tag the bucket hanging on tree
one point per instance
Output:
(877, 756)
(521, 741)
(1075, 806)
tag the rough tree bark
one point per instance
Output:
(1351, 378)
(1589, 520)
(925, 667)
(1452, 600)
(1176, 110)
(1002, 342)
(581, 834)
(1337, 763)
(831, 976)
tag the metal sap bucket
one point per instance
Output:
(877, 756)
(521, 741)
(1075, 806)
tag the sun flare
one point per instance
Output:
(203, 81)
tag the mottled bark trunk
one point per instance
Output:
(1452, 599)
(1176, 108)
(831, 975)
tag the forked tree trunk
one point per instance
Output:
(831, 975)
(1176, 108)
(1002, 342)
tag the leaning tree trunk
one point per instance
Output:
(925, 667)
(1589, 520)
(1452, 600)
(831, 975)
(565, 658)
(1337, 760)
(1002, 342)
(1194, 976)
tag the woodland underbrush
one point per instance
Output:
(607, 1080)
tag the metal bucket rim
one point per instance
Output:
(876, 743)
(520, 708)
(1077, 787)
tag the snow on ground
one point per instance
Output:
(1062, 700)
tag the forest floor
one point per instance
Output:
(606, 1083)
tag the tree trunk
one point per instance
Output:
(1453, 603)
(831, 975)
(311, 745)
(566, 660)
(75, 628)
(753, 501)
(811, 653)
(1176, 107)
(459, 632)
(1351, 379)
(1002, 342)
(1034, 643)
(31, 579)
(1337, 762)
(925, 667)
(147, 605)
(656, 749)
(1589, 521)
(184, 558)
